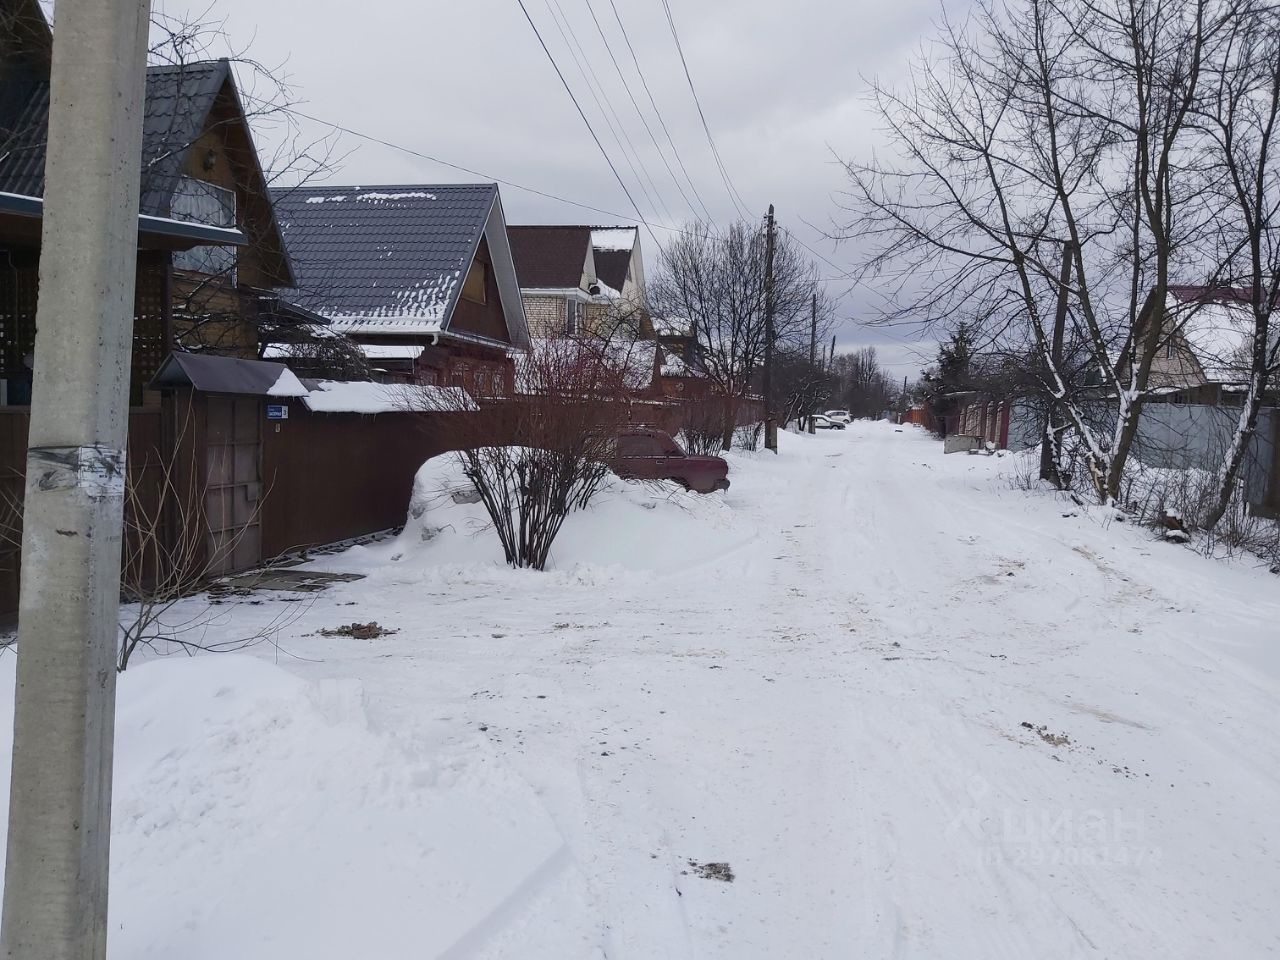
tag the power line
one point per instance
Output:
(824, 259)
(653, 103)
(469, 170)
(636, 105)
(702, 229)
(706, 127)
(586, 122)
(594, 87)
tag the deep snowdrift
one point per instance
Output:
(629, 530)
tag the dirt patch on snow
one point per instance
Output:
(712, 871)
(359, 631)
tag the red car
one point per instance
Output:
(646, 454)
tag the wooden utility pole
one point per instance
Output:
(813, 350)
(1052, 442)
(770, 419)
(55, 892)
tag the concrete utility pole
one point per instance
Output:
(1052, 428)
(813, 347)
(770, 421)
(55, 893)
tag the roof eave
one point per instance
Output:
(181, 234)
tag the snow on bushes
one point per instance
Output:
(628, 527)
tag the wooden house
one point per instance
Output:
(420, 277)
(1206, 340)
(209, 250)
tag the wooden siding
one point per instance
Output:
(483, 319)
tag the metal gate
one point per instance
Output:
(233, 495)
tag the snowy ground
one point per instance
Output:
(918, 713)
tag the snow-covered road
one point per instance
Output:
(916, 712)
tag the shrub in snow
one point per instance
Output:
(573, 393)
(748, 437)
(1183, 499)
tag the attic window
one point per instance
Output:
(1171, 350)
(473, 288)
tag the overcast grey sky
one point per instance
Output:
(466, 81)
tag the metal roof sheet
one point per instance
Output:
(178, 100)
(210, 374)
(383, 256)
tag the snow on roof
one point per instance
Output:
(613, 238)
(672, 326)
(287, 385)
(338, 396)
(376, 197)
(1220, 334)
(374, 323)
(391, 351)
(635, 358)
(673, 365)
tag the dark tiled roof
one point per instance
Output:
(551, 257)
(178, 102)
(611, 267)
(393, 255)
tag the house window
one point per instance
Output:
(473, 288)
(207, 261)
(571, 316)
(1171, 351)
(198, 201)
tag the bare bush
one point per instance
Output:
(703, 428)
(747, 437)
(718, 285)
(573, 396)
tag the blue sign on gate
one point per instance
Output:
(277, 411)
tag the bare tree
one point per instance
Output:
(1041, 131)
(862, 385)
(801, 386)
(717, 284)
(1242, 121)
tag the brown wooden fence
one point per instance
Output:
(334, 476)
(322, 478)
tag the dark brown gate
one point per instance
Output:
(233, 497)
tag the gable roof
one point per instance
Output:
(550, 257)
(1217, 324)
(178, 101)
(212, 374)
(392, 259)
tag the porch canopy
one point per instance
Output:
(208, 374)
